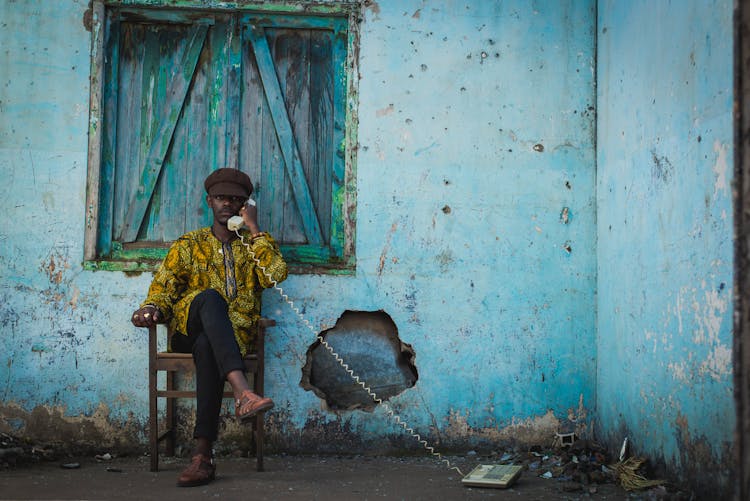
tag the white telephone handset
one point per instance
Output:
(236, 223)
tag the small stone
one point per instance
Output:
(597, 477)
(571, 487)
(70, 466)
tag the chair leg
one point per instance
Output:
(258, 435)
(259, 383)
(253, 438)
(153, 423)
(171, 417)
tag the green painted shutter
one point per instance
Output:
(289, 143)
(185, 94)
(166, 83)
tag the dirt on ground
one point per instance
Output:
(300, 477)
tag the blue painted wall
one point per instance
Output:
(665, 225)
(459, 230)
(477, 232)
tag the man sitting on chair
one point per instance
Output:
(209, 290)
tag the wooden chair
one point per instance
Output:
(171, 363)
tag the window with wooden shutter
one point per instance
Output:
(177, 94)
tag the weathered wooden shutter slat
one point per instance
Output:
(199, 142)
(162, 139)
(337, 182)
(223, 96)
(109, 136)
(322, 106)
(289, 54)
(158, 51)
(128, 98)
(285, 134)
(254, 113)
(234, 95)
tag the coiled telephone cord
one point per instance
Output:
(354, 376)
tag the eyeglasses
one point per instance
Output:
(229, 198)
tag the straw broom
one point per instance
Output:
(626, 474)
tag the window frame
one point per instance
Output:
(148, 257)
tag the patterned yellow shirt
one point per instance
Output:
(196, 262)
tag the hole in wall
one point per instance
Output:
(368, 342)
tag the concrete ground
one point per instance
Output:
(286, 478)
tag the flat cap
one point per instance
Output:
(228, 181)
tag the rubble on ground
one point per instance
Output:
(577, 469)
(583, 465)
(14, 451)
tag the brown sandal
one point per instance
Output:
(200, 471)
(250, 404)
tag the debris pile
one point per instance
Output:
(14, 451)
(579, 467)
(584, 465)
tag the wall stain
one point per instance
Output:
(88, 18)
(54, 273)
(445, 259)
(325, 435)
(701, 468)
(565, 215)
(526, 432)
(382, 112)
(328, 433)
(720, 168)
(49, 425)
(662, 169)
(386, 248)
(708, 308)
(373, 6)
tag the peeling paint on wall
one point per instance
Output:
(720, 168)
(665, 246)
(708, 315)
(386, 248)
(328, 433)
(55, 428)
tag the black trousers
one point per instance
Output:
(210, 338)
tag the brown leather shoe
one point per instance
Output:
(200, 471)
(250, 404)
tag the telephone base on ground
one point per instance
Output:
(498, 476)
